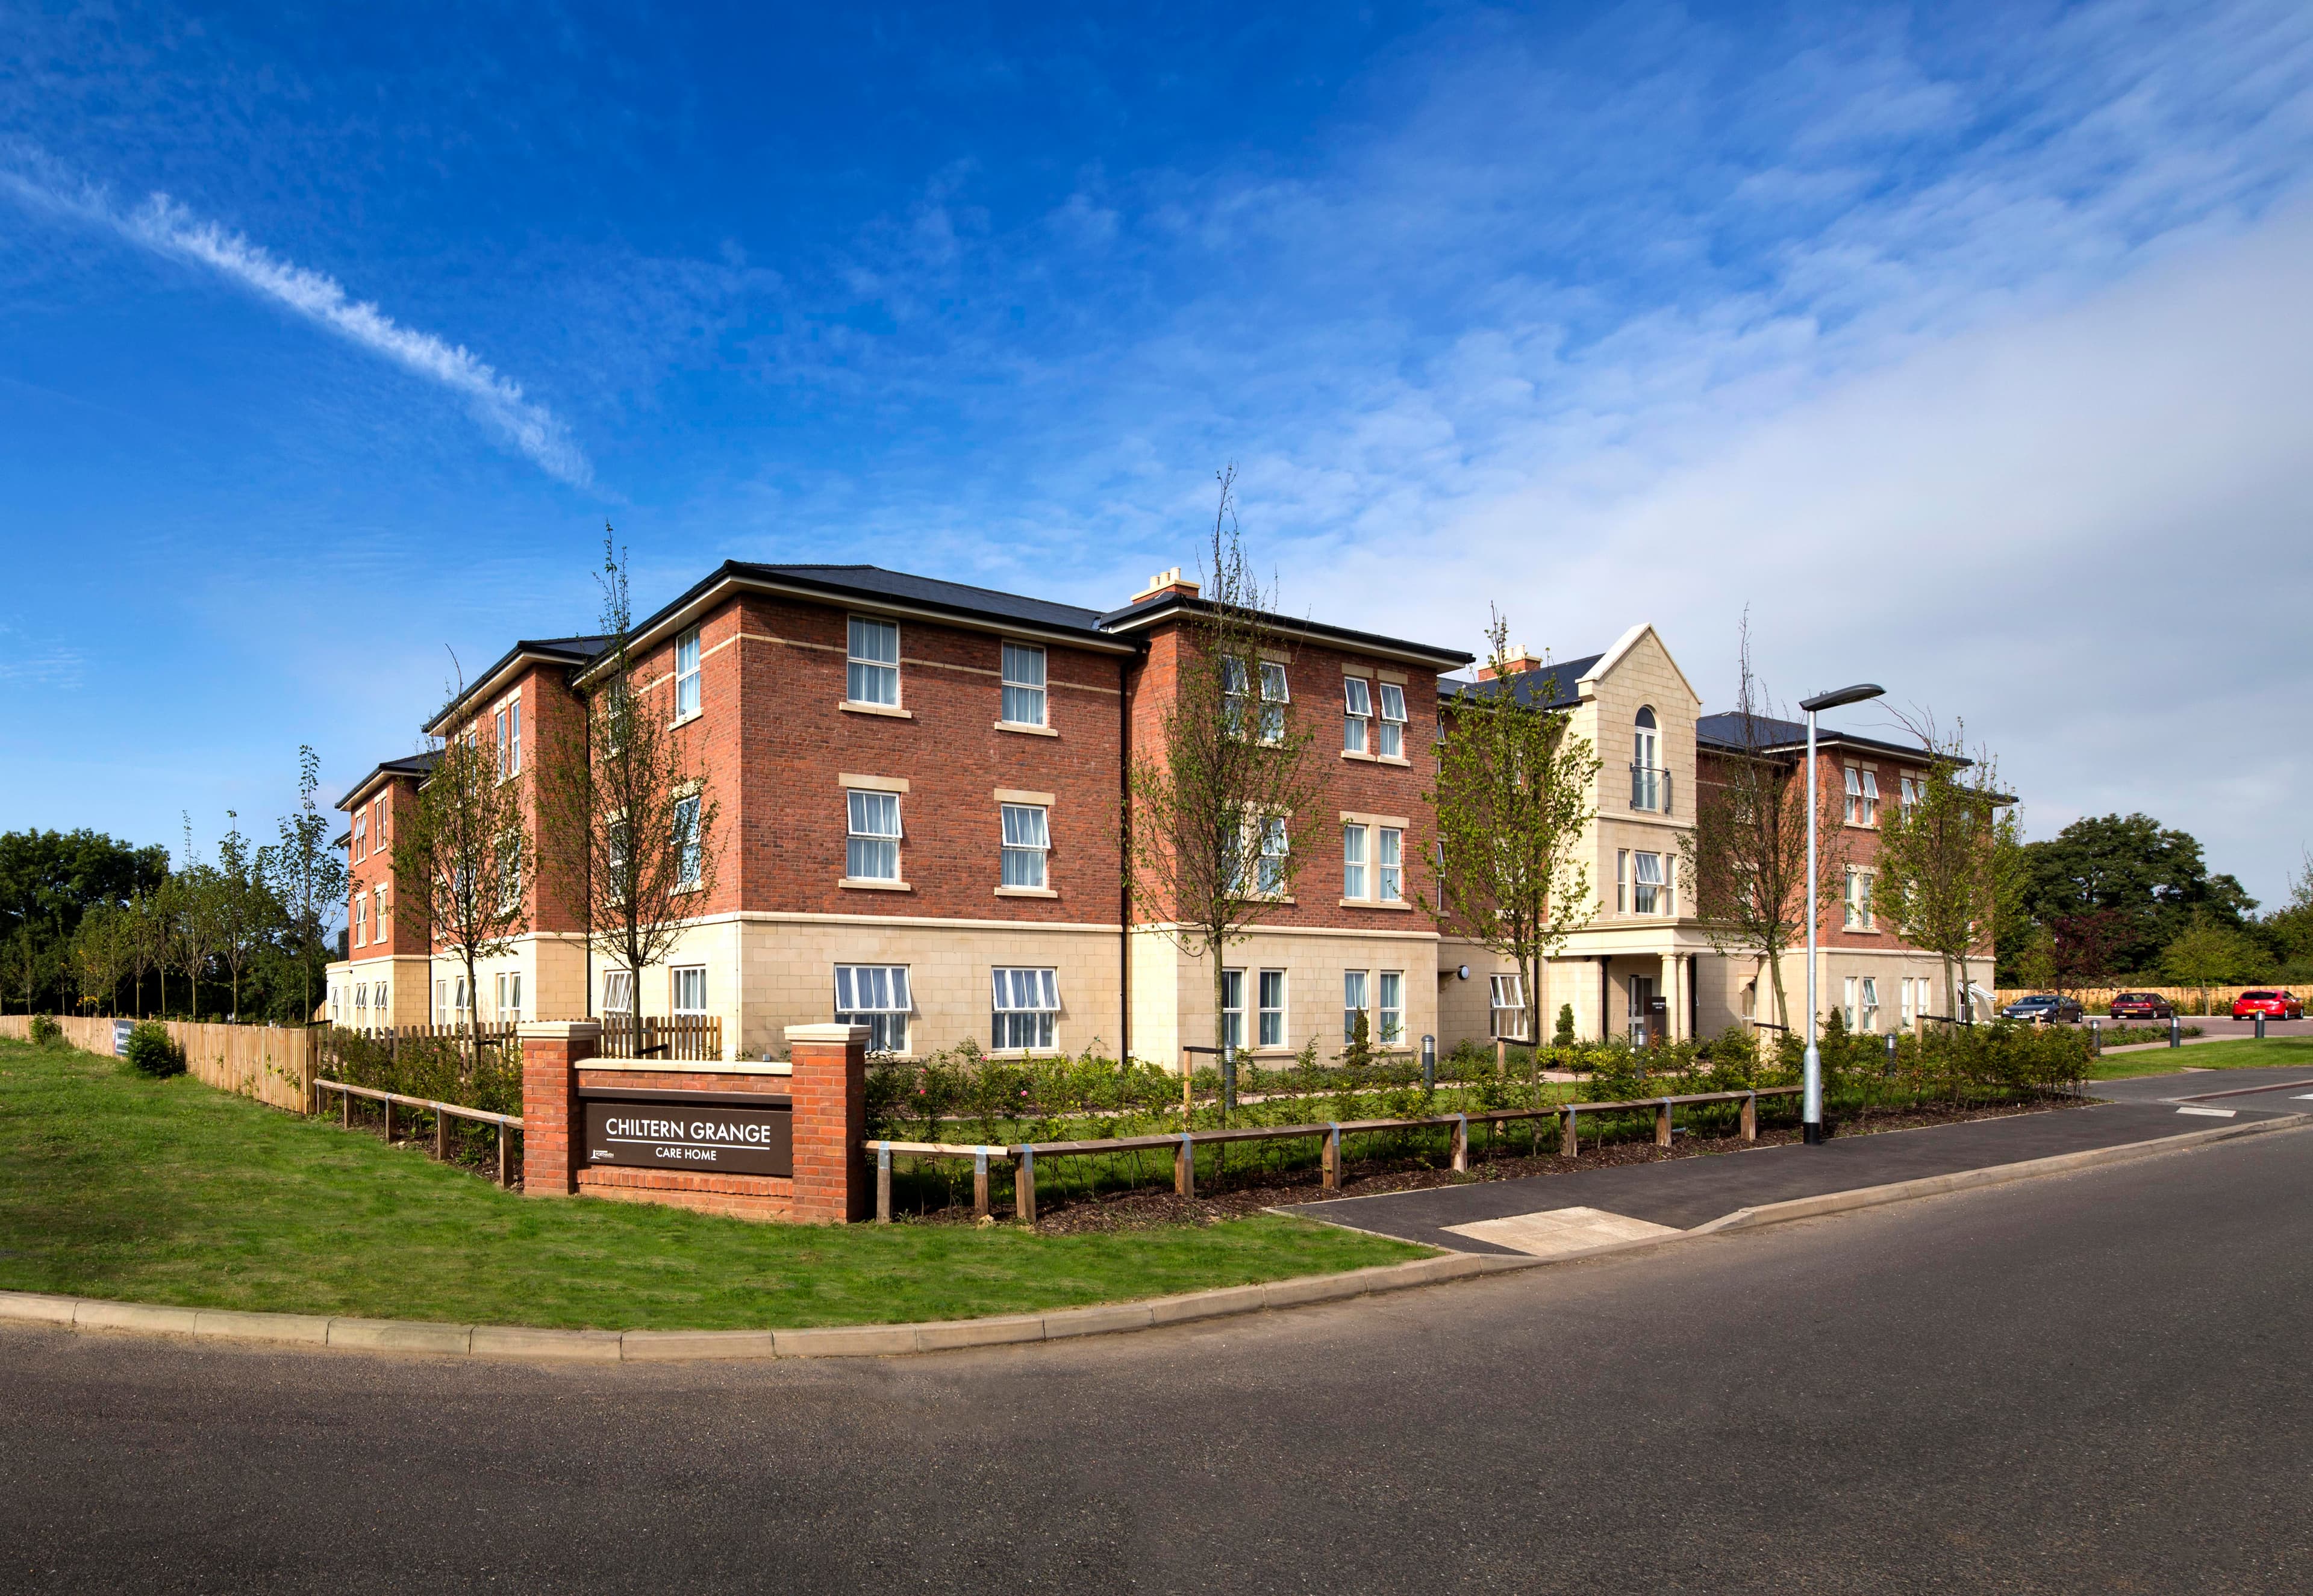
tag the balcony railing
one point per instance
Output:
(1650, 788)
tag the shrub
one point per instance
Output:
(1564, 1036)
(153, 1051)
(46, 1031)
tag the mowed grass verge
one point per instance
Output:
(118, 1187)
(2276, 1052)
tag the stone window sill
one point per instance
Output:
(1025, 893)
(857, 883)
(1026, 729)
(685, 720)
(1393, 906)
(1398, 760)
(889, 711)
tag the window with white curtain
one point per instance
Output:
(1847, 1007)
(1353, 860)
(1392, 721)
(1622, 880)
(1023, 685)
(1506, 1005)
(1027, 1008)
(874, 995)
(513, 739)
(361, 1002)
(1854, 796)
(377, 920)
(686, 674)
(361, 837)
(1648, 881)
(873, 672)
(1274, 699)
(361, 918)
(1233, 1009)
(1870, 1000)
(1272, 1008)
(688, 987)
(872, 850)
(1392, 1008)
(1858, 899)
(1270, 881)
(1235, 687)
(690, 847)
(1028, 839)
(618, 992)
(1392, 865)
(1354, 1003)
(1357, 713)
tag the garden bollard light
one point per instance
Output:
(2260, 1025)
(1228, 1080)
(1429, 1063)
(2096, 1038)
(2175, 1031)
(1891, 1052)
(884, 1183)
(980, 1183)
(1461, 1143)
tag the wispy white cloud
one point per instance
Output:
(167, 228)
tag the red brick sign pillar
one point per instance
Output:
(830, 1086)
(551, 1050)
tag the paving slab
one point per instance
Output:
(1680, 1194)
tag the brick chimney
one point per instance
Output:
(1517, 663)
(1168, 582)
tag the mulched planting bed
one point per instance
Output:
(1253, 1191)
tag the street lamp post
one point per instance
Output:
(1811, 1094)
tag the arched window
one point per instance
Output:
(1650, 784)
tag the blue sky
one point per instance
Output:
(1962, 346)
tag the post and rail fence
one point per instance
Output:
(1183, 1144)
(443, 1113)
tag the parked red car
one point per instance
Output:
(2273, 1006)
(2143, 1006)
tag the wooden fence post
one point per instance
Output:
(1023, 1187)
(884, 1183)
(441, 1136)
(1461, 1144)
(1569, 1144)
(389, 1122)
(1751, 1117)
(1662, 1123)
(1184, 1168)
(506, 1157)
(346, 1104)
(980, 1183)
(1330, 1160)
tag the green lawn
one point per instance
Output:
(167, 1191)
(2248, 1053)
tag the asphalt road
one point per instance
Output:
(2082, 1383)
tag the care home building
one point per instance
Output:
(1641, 964)
(920, 786)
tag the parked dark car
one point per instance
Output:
(2143, 1006)
(2273, 1006)
(2043, 1008)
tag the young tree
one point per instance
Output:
(248, 915)
(139, 946)
(195, 896)
(308, 876)
(1744, 861)
(1941, 855)
(1513, 798)
(628, 830)
(461, 861)
(1211, 800)
(101, 951)
(2206, 954)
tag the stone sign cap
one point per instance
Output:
(556, 1030)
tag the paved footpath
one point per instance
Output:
(1552, 1215)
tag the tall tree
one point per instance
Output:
(248, 914)
(1745, 860)
(461, 861)
(140, 946)
(49, 879)
(1513, 798)
(1211, 800)
(629, 832)
(2155, 874)
(1940, 854)
(308, 876)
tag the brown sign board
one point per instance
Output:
(708, 1137)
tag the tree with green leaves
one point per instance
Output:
(1212, 799)
(248, 914)
(102, 950)
(1513, 798)
(194, 897)
(629, 835)
(308, 877)
(2155, 874)
(1745, 860)
(461, 861)
(2208, 953)
(47, 881)
(1940, 853)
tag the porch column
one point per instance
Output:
(1673, 988)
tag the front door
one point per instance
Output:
(1642, 1003)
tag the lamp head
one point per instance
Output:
(1854, 695)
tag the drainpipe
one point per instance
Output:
(1124, 880)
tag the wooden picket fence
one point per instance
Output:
(688, 1038)
(493, 1034)
(273, 1064)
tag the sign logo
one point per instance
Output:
(675, 1134)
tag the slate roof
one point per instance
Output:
(407, 765)
(1525, 686)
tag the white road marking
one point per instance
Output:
(1556, 1231)
(2211, 1113)
(2302, 1097)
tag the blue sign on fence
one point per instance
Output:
(121, 1029)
